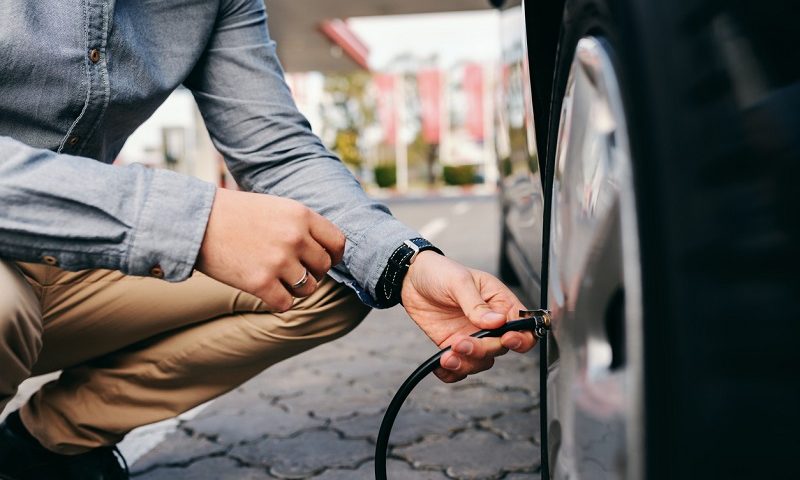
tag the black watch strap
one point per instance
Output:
(391, 280)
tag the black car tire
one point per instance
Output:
(719, 230)
(505, 270)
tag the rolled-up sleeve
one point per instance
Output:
(269, 146)
(82, 213)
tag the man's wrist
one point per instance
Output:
(422, 258)
(390, 282)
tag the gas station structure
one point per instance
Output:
(311, 35)
(314, 36)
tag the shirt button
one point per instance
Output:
(73, 140)
(157, 271)
(94, 55)
(50, 260)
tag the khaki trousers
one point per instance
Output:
(138, 350)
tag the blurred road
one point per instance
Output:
(317, 415)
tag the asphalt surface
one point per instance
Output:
(317, 415)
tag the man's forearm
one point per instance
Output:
(80, 213)
(270, 148)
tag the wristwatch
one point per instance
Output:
(391, 280)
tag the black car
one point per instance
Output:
(649, 153)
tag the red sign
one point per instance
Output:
(429, 83)
(473, 89)
(384, 84)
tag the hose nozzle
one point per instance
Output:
(541, 320)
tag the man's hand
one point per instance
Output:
(450, 302)
(262, 244)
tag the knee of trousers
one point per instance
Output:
(327, 315)
(251, 342)
(338, 312)
(20, 327)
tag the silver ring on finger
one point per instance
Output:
(302, 282)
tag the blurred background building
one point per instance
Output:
(402, 90)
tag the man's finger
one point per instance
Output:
(478, 349)
(328, 236)
(275, 295)
(447, 376)
(475, 307)
(308, 286)
(464, 365)
(519, 342)
(316, 259)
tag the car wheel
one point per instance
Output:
(663, 241)
(594, 279)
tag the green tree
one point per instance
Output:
(352, 112)
(346, 146)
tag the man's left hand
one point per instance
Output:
(450, 302)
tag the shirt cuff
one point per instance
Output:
(367, 256)
(170, 227)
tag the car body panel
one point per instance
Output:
(521, 181)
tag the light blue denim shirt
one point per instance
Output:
(76, 78)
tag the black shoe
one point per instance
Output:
(22, 457)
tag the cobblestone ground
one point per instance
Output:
(317, 415)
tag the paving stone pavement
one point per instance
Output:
(316, 415)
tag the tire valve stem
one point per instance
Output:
(541, 320)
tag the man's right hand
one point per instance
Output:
(262, 244)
